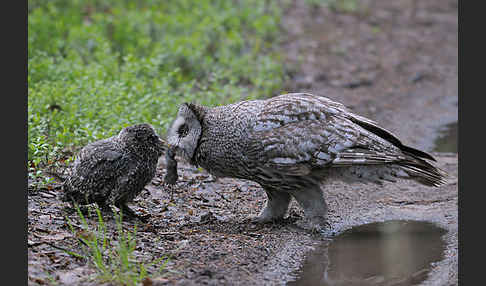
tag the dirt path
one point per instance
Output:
(385, 61)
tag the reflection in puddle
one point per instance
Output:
(389, 253)
(447, 142)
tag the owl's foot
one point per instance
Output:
(277, 205)
(104, 209)
(319, 225)
(314, 205)
(261, 219)
(130, 214)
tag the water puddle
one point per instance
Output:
(447, 141)
(395, 252)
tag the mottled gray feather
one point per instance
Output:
(292, 143)
(114, 170)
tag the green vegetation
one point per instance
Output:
(342, 6)
(97, 66)
(114, 261)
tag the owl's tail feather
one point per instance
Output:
(372, 165)
(373, 127)
(422, 171)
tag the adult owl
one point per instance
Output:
(292, 144)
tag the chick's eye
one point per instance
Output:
(183, 129)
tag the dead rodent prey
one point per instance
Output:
(171, 175)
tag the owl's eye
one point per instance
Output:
(182, 131)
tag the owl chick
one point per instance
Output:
(291, 144)
(114, 171)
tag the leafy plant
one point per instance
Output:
(114, 260)
(97, 66)
(343, 6)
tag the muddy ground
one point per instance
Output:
(392, 61)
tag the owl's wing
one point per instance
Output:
(101, 159)
(300, 133)
(299, 147)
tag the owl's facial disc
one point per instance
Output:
(184, 133)
(175, 132)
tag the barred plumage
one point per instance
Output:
(115, 170)
(290, 144)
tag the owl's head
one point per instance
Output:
(144, 136)
(185, 130)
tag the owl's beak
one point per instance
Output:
(162, 143)
(172, 146)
